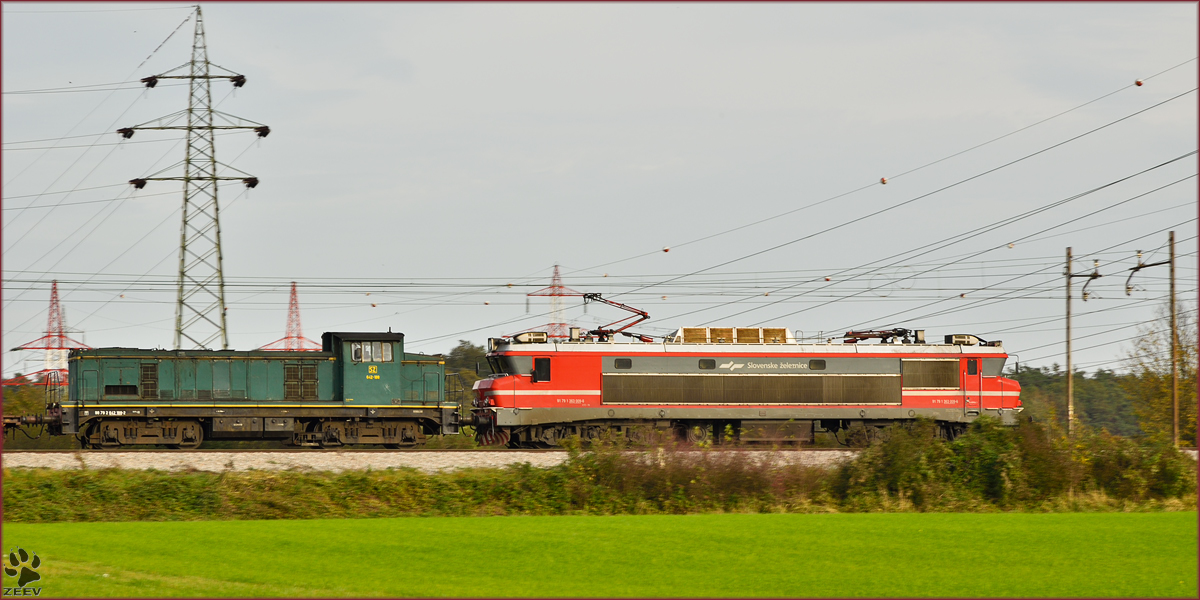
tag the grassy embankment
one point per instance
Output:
(989, 469)
(846, 555)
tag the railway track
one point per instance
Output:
(337, 460)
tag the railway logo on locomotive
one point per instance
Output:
(21, 565)
(731, 366)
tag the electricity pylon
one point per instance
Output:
(55, 343)
(294, 340)
(556, 328)
(200, 305)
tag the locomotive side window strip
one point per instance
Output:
(371, 351)
(930, 374)
(623, 363)
(751, 389)
(707, 364)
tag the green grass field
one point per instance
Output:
(853, 555)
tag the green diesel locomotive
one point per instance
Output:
(361, 388)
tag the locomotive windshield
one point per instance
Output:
(511, 365)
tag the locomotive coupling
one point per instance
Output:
(53, 419)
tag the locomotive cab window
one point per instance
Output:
(371, 351)
(972, 366)
(623, 363)
(541, 370)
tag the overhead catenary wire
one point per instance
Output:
(1061, 224)
(907, 255)
(893, 177)
(986, 302)
(931, 193)
(1082, 337)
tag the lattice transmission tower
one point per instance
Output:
(55, 344)
(293, 340)
(200, 304)
(556, 328)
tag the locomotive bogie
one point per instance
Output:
(115, 433)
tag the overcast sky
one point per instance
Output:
(424, 156)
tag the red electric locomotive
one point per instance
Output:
(757, 384)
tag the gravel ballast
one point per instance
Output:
(429, 462)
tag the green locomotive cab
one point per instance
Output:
(361, 388)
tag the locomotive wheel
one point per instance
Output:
(83, 436)
(692, 432)
(641, 435)
(192, 445)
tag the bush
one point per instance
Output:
(989, 468)
(992, 467)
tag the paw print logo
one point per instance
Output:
(19, 563)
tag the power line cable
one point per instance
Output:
(941, 244)
(925, 195)
(120, 143)
(98, 187)
(160, 159)
(31, 12)
(87, 202)
(1043, 230)
(913, 170)
(73, 91)
(101, 103)
(976, 304)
